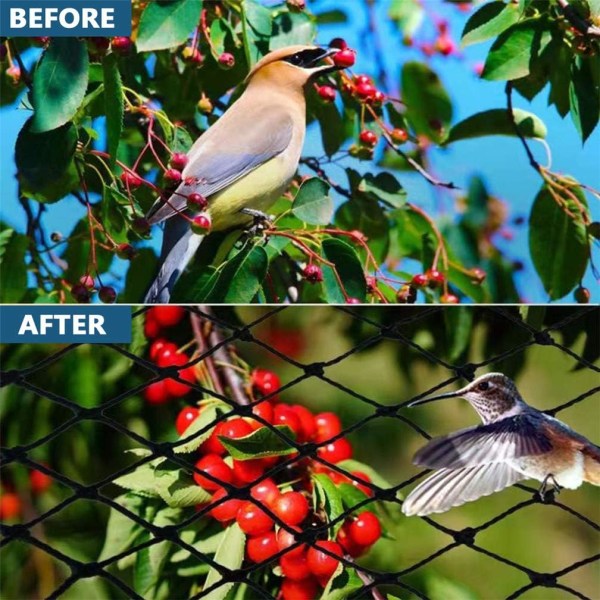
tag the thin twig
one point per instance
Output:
(511, 115)
(577, 21)
(368, 580)
(202, 348)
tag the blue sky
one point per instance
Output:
(499, 160)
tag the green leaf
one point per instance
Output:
(158, 553)
(351, 495)
(312, 203)
(178, 489)
(558, 244)
(408, 14)
(497, 121)
(342, 584)
(290, 29)
(510, 55)
(385, 187)
(140, 481)
(560, 81)
(332, 126)
(230, 554)
(13, 274)
(260, 443)
(59, 83)
(113, 105)
(219, 29)
(329, 17)
(429, 105)
(167, 24)
(354, 465)
(143, 577)
(584, 95)
(327, 496)
(259, 18)
(489, 21)
(207, 416)
(121, 531)
(349, 270)
(459, 327)
(440, 588)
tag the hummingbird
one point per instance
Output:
(515, 442)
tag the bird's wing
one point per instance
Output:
(213, 165)
(508, 438)
(452, 487)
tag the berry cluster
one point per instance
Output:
(285, 498)
(11, 505)
(83, 291)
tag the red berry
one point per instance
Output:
(320, 563)
(338, 43)
(234, 428)
(214, 465)
(185, 418)
(140, 225)
(192, 55)
(344, 58)
(308, 427)
(295, 567)
(121, 45)
(449, 299)
(175, 388)
(285, 415)
(261, 548)
(14, 73)
(196, 202)
(435, 277)
(265, 382)
(156, 393)
(130, 180)
(167, 316)
(419, 281)
(151, 328)
(328, 426)
(125, 251)
(326, 92)
(478, 275)
(582, 295)
(265, 492)
(178, 161)
(158, 346)
(169, 355)
(264, 410)
(201, 224)
(399, 136)
(80, 293)
(378, 98)
(291, 507)
(248, 471)
(365, 529)
(107, 294)
(348, 545)
(336, 452)
(10, 506)
(226, 60)
(312, 274)
(285, 540)
(172, 176)
(253, 520)
(224, 511)
(359, 475)
(87, 281)
(365, 90)
(367, 137)
(39, 481)
(305, 589)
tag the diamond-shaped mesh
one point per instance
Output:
(228, 334)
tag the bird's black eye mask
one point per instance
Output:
(308, 58)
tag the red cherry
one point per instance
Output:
(328, 426)
(157, 347)
(192, 55)
(226, 60)
(172, 176)
(286, 415)
(295, 567)
(156, 393)
(248, 471)
(261, 548)
(130, 180)
(348, 545)
(87, 281)
(185, 418)
(175, 388)
(253, 520)
(151, 328)
(365, 529)
(214, 465)
(169, 355)
(327, 93)
(196, 202)
(339, 43)
(449, 299)
(351, 300)
(10, 506)
(419, 281)
(234, 428)
(80, 293)
(201, 224)
(305, 589)
(265, 492)
(107, 295)
(336, 452)
(265, 382)
(321, 564)
(291, 507)
(359, 475)
(399, 136)
(285, 540)
(308, 427)
(367, 137)
(435, 277)
(178, 161)
(365, 90)
(264, 410)
(344, 58)
(39, 481)
(312, 274)
(121, 45)
(167, 316)
(227, 510)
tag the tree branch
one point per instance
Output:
(583, 26)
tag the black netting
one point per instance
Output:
(224, 336)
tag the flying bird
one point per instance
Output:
(244, 161)
(515, 442)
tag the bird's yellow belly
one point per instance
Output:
(258, 190)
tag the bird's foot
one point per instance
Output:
(545, 494)
(261, 222)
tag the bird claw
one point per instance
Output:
(544, 493)
(261, 222)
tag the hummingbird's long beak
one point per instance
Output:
(456, 394)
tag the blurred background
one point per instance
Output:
(500, 161)
(381, 355)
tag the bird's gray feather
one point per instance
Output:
(508, 438)
(447, 488)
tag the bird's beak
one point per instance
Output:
(456, 394)
(325, 53)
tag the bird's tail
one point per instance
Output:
(591, 468)
(178, 247)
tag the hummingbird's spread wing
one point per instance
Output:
(512, 437)
(452, 487)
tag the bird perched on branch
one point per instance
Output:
(241, 164)
(515, 442)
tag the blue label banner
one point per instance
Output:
(65, 18)
(66, 324)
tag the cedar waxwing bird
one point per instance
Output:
(243, 162)
(515, 442)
